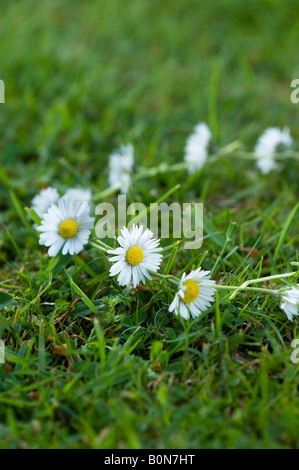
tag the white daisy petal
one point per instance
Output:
(290, 302)
(117, 267)
(55, 247)
(183, 311)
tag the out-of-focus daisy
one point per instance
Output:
(120, 167)
(271, 141)
(136, 255)
(66, 225)
(197, 147)
(290, 302)
(42, 201)
(79, 194)
(195, 294)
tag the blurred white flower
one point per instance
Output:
(195, 294)
(66, 225)
(272, 140)
(197, 147)
(136, 255)
(42, 201)
(121, 163)
(290, 302)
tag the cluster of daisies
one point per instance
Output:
(65, 225)
(137, 258)
(199, 146)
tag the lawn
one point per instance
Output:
(90, 363)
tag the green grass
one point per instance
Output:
(82, 78)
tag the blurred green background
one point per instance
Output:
(84, 76)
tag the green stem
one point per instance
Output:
(247, 289)
(262, 279)
(174, 280)
(101, 245)
(167, 277)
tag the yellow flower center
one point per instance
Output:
(134, 255)
(191, 293)
(68, 228)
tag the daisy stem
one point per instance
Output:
(169, 168)
(167, 277)
(107, 192)
(247, 289)
(232, 149)
(98, 246)
(101, 245)
(160, 169)
(262, 279)
(244, 287)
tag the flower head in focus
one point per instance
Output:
(270, 142)
(66, 225)
(136, 255)
(195, 294)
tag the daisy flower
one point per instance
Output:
(79, 194)
(66, 225)
(290, 302)
(42, 201)
(195, 294)
(270, 142)
(136, 255)
(120, 167)
(197, 147)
